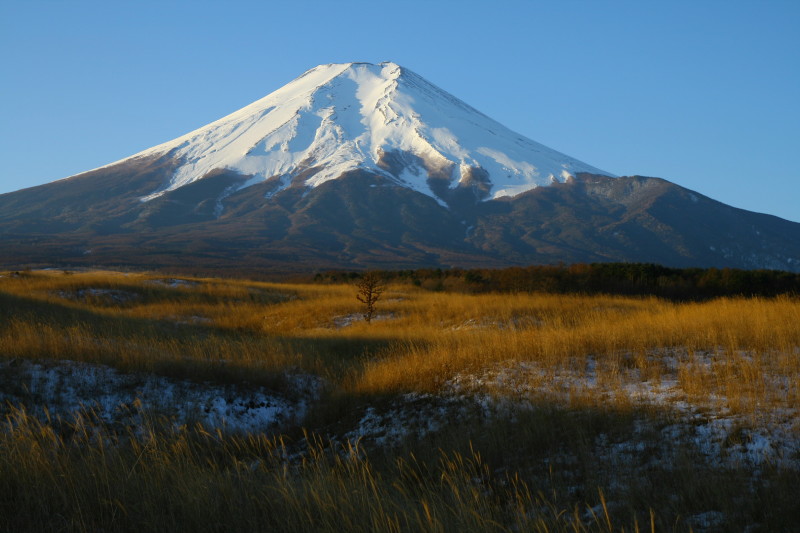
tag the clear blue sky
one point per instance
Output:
(703, 93)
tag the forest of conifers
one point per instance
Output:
(595, 278)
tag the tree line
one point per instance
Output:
(636, 279)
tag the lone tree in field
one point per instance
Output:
(370, 288)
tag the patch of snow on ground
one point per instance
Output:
(411, 416)
(707, 520)
(514, 323)
(191, 320)
(722, 437)
(175, 283)
(344, 321)
(110, 295)
(65, 388)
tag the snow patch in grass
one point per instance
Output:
(64, 388)
(412, 415)
(344, 321)
(175, 282)
(725, 439)
(709, 520)
(114, 296)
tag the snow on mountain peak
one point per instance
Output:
(384, 118)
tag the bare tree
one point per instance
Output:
(370, 288)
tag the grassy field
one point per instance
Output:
(447, 412)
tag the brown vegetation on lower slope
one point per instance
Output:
(364, 220)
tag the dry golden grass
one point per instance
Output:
(743, 352)
(82, 477)
(749, 339)
(730, 347)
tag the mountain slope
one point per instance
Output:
(364, 220)
(638, 219)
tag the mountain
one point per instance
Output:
(358, 165)
(381, 118)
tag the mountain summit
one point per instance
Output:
(382, 118)
(370, 166)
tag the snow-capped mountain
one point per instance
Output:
(383, 118)
(370, 166)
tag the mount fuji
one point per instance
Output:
(381, 118)
(359, 166)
